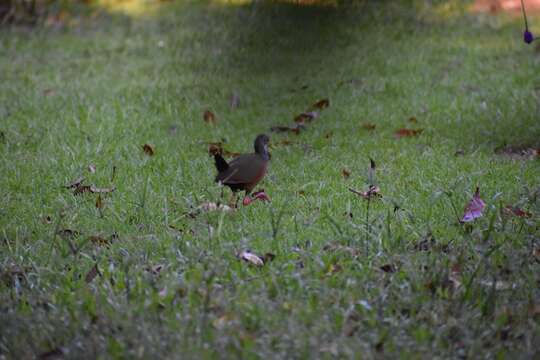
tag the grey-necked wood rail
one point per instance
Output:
(245, 171)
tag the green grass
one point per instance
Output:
(96, 92)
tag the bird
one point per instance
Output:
(245, 171)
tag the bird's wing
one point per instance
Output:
(244, 169)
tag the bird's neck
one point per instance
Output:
(261, 150)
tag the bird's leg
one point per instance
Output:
(260, 195)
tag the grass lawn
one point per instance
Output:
(144, 272)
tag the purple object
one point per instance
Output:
(528, 36)
(474, 208)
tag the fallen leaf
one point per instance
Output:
(518, 152)
(306, 117)
(56, 353)
(75, 183)
(509, 209)
(268, 257)
(368, 126)
(343, 249)
(295, 129)
(345, 173)
(286, 142)
(113, 175)
(321, 104)
(474, 208)
(148, 149)
(407, 133)
(251, 258)
(234, 101)
(13, 275)
(154, 269)
(99, 240)
(536, 252)
(92, 273)
(82, 189)
(413, 120)
(335, 268)
(92, 168)
(99, 202)
(373, 191)
(96, 190)
(209, 117)
(388, 268)
(534, 310)
(68, 233)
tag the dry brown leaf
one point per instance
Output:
(56, 353)
(512, 210)
(295, 129)
(321, 104)
(335, 268)
(373, 191)
(368, 126)
(68, 233)
(342, 249)
(92, 168)
(154, 269)
(99, 202)
(286, 142)
(148, 149)
(96, 190)
(92, 273)
(209, 117)
(99, 240)
(388, 268)
(75, 183)
(268, 257)
(407, 133)
(413, 120)
(345, 173)
(82, 189)
(251, 258)
(518, 152)
(306, 117)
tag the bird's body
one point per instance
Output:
(245, 171)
